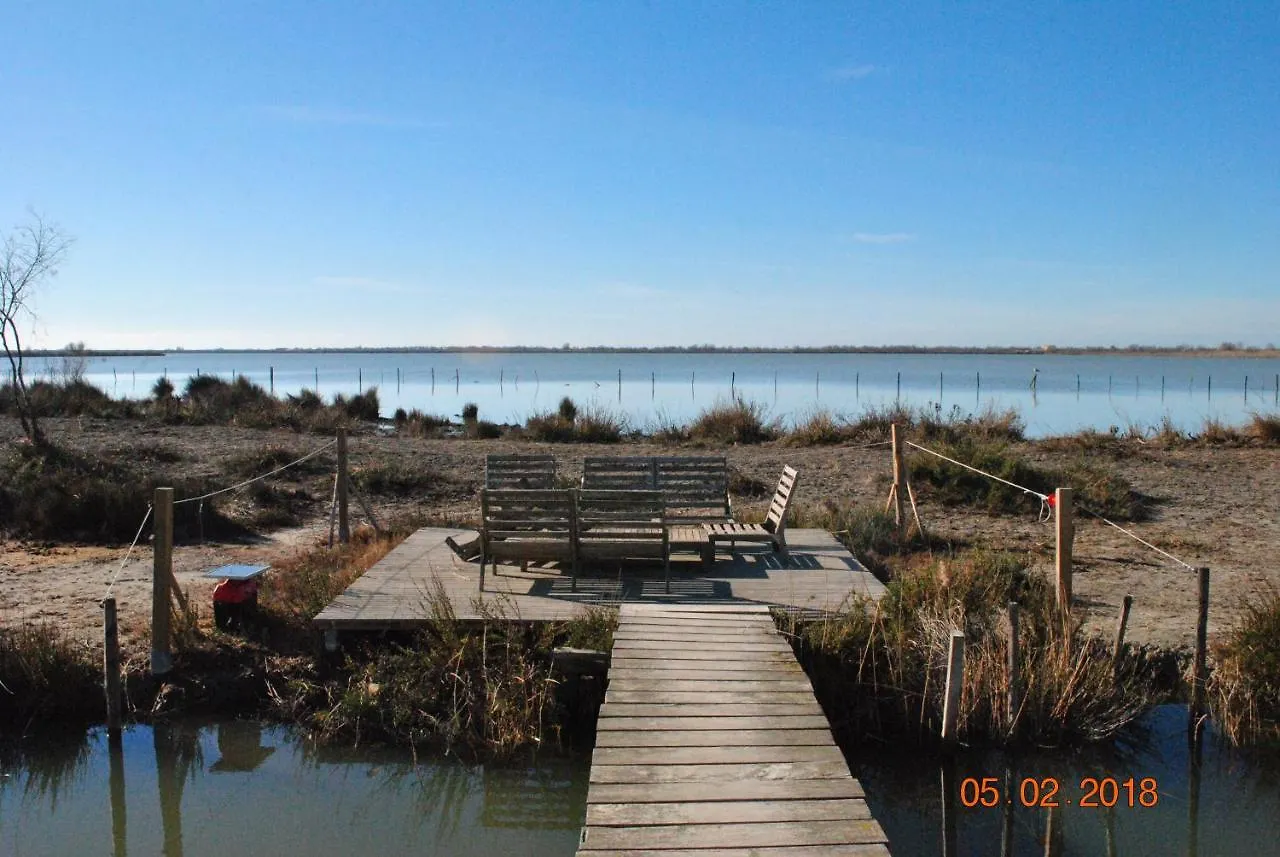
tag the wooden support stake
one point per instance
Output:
(271, 375)
(368, 510)
(344, 522)
(161, 582)
(915, 512)
(111, 668)
(1118, 650)
(1064, 529)
(899, 478)
(1014, 674)
(955, 682)
(1202, 641)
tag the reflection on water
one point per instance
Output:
(237, 787)
(1224, 804)
(230, 788)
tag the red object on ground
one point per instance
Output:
(235, 592)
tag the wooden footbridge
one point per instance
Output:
(710, 742)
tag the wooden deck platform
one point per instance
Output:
(817, 576)
(710, 742)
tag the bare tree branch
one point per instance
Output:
(30, 256)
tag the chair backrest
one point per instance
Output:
(694, 487)
(776, 521)
(509, 513)
(631, 473)
(520, 471)
(618, 522)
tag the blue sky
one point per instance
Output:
(301, 174)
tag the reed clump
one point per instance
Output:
(483, 688)
(880, 669)
(1265, 428)
(570, 424)
(737, 421)
(1097, 487)
(46, 678)
(1244, 687)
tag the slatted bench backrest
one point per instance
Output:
(620, 524)
(528, 524)
(520, 471)
(631, 473)
(776, 520)
(695, 488)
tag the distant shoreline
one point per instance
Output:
(1071, 351)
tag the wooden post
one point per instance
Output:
(1006, 829)
(1210, 388)
(1014, 676)
(1202, 640)
(111, 668)
(1125, 606)
(161, 581)
(359, 381)
(1064, 529)
(949, 825)
(939, 388)
(898, 397)
(271, 379)
(899, 485)
(1246, 389)
(955, 682)
(344, 521)
(317, 379)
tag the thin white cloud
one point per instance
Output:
(883, 237)
(311, 115)
(853, 72)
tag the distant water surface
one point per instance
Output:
(1055, 393)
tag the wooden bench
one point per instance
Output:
(774, 528)
(520, 471)
(527, 525)
(622, 525)
(630, 473)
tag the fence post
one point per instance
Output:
(344, 520)
(161, 582)
(1198, 667)
(1064, 528)
(899, 485)
(1125, 606)
(111, 668)
(955, 682)
(1015, 689)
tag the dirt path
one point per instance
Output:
(1218, 507)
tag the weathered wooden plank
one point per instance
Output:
(658, 674)
(678, 723)
(730, 634)
(746, 755)
(831, 770)
(626, 683)
(858, 850)
(639, 649)
(747, 835)
(724, 791)
(725, 812)
(876, 849)
(751, 666)
(693, 709)
(713, 737)
(713, 697)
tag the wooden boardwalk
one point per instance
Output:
(710, 742)
(817, 576)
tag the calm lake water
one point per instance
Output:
(1056, 393)
(240, 788)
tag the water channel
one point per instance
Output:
(237, 787)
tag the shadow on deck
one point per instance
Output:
(817, 576)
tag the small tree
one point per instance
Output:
(31, 255)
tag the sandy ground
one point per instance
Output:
(1218, 507)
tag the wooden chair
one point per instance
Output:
(695, 488)
(623, 525)
(774, 528)
(536, 472)
(527, 525)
